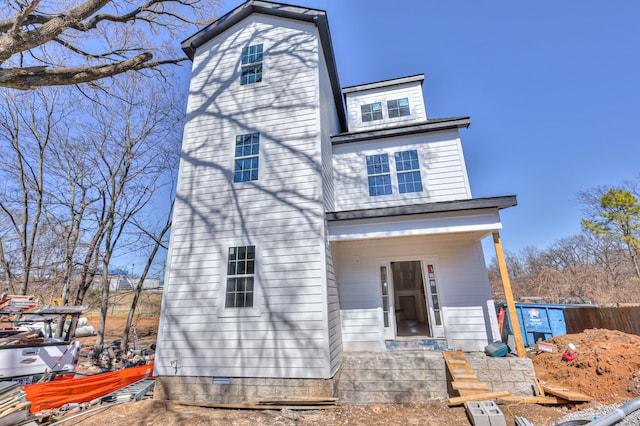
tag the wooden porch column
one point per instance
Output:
(508, 294)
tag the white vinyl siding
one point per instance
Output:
(362, 329)
(356, 100)
(282, 214)
(442, 169)
(463, 284)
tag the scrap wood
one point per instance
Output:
(20, 406)
(291, 400)
(471, 385)
(300, 398)
(566, 393)
(536, 381)
(255, 407)
(477, 397)
(550, 400)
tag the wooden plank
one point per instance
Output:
(467, 371)
(469, 385)
(551, 400)
(536, 381)
(477, 397)
(568, 394)
(508, 294)
(254, 407)
(297, 398)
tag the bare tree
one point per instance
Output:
(158, 243)
(28, 126)
(70, 42)
(130, 136)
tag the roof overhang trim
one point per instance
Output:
(439, 207)
(428, 126)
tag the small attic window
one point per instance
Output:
(398, 108)
(251, 70)
(371, 112)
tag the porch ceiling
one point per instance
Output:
(476, 217)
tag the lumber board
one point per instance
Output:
(465, 376)
(297, 398)
(568, 394)
(255, 407)
(536, 381)
(469, 385)
(550, 400)
(286, 402)
(459, 400)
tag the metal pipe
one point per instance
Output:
(617, 414)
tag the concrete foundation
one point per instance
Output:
(364, 378)
(203, 389)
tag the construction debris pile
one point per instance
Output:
(14, 407)
(606, 367)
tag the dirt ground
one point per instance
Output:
(607, 368)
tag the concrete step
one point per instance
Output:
(420, 344)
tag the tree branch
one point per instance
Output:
(29, 78)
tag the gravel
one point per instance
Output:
(633, 419)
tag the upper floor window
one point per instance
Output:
(379, 174)
(240, 275)
(398, 107)
(251, 70)
(247, 152)
(371, 112)
(408, 171)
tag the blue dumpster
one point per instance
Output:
(537, 321)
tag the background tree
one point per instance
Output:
(28, 125)
(78, 41)
(617, 217)
(134, 137)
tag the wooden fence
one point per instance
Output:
(625, 319)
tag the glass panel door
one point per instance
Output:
(435, 308)
(387, 304)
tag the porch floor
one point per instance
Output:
(407, 328)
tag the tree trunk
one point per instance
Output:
(136, 296)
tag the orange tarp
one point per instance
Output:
(59, 392)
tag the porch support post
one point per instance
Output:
(508, 294)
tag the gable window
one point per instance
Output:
(371, 112)
(251, 70)
(408, 171)
(398, 108)
(247, 151)
(379, 174)
(240, 275)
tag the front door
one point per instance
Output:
(410, 299)
(412, 316)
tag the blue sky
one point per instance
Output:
(552, 89)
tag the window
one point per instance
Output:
(371, 112)
(251, 70)
(398, 108)
(247, 150)
(379, 174)
(408, 169)
(240, 273)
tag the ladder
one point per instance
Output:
(133, 392)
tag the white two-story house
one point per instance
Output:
(311, 219)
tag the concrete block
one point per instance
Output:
(495, 416)
(477, 414)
